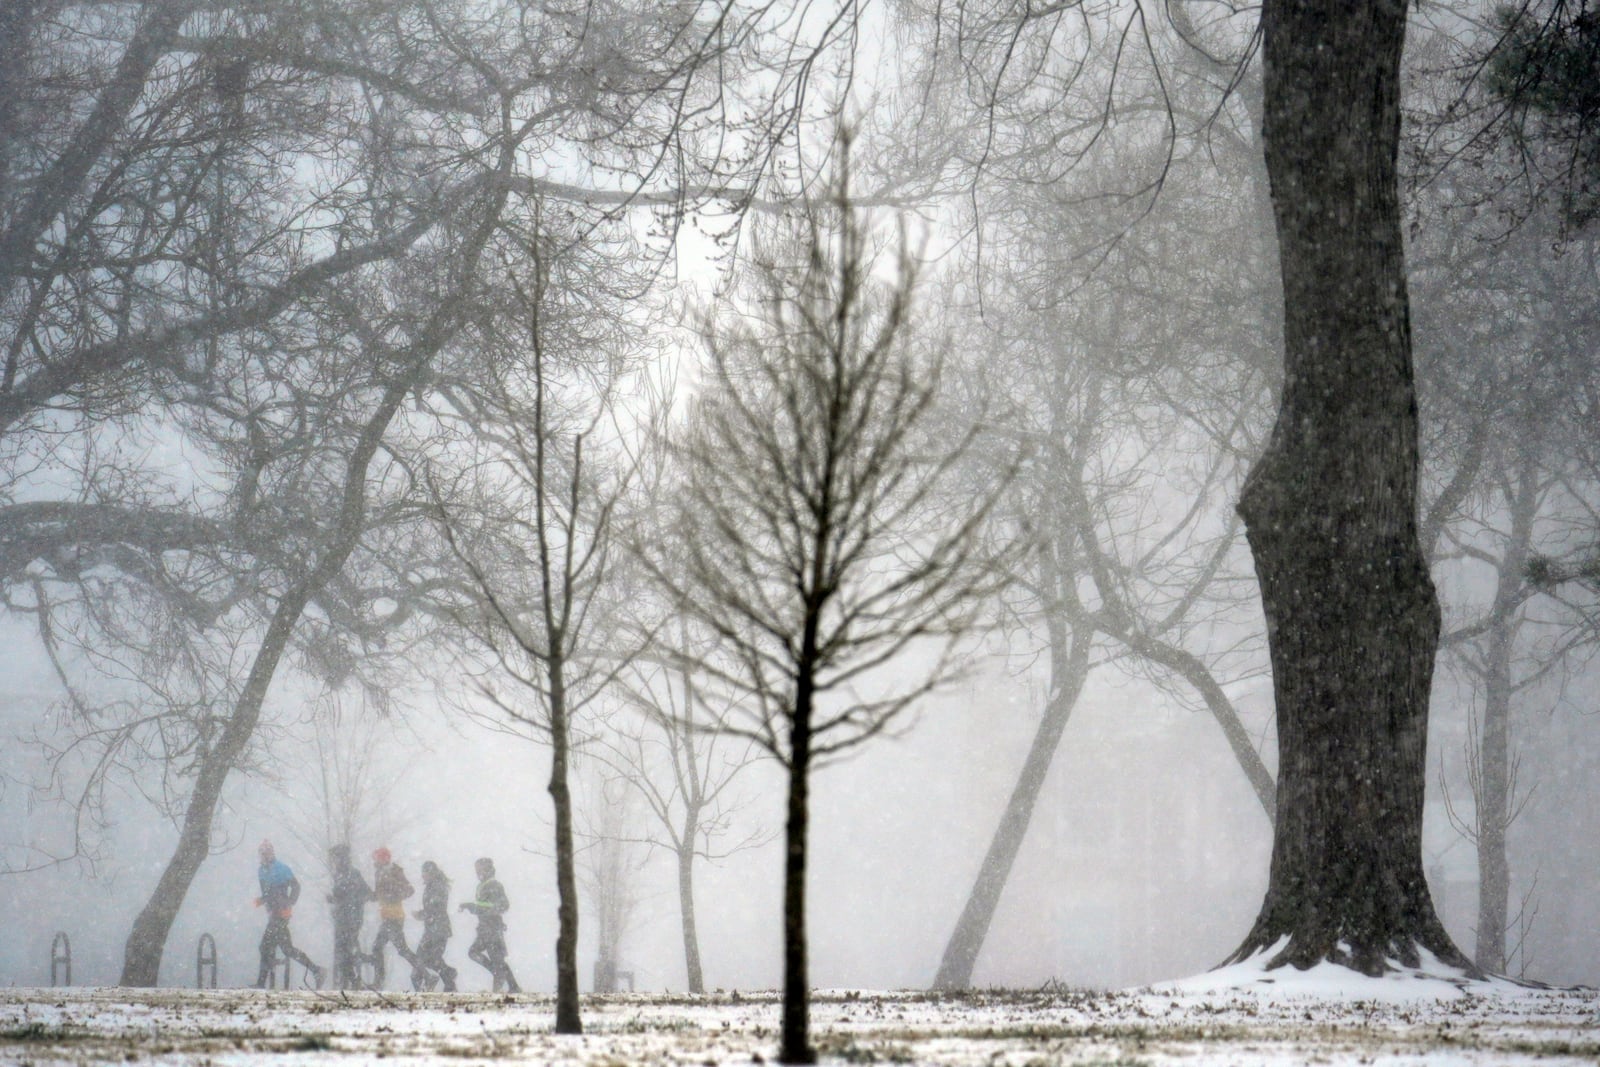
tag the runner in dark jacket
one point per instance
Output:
(436, 931)
(349, 898)
(392, 887)
(489, 947)
(279, 891)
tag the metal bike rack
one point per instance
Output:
(205, 962)
(61, 958)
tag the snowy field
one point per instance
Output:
(1224, 1018)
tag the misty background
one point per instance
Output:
(1147, 858)
(1146, 328)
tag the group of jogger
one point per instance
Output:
(390, 888)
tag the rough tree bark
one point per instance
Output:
(1330, 509)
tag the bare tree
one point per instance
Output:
(1111, 585)
(609, 863)
(176, 261)
(1330, 509)
(349, 787)
(815, 545)
(1136, 361)
(531, 520)
(684, 771)
(160, 264)
(1501, 316)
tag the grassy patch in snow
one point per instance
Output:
(987, 1028)
(30, 1032)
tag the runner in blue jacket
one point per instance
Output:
(279, 891)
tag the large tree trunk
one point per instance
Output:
(16, 27)
(568, 1019)
(1330, 509)
(1069, 667)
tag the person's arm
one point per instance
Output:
(293, 888)
(469, 905)
(497, 902)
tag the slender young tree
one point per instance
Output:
(813, 543)
(351, 784)
(531, 519)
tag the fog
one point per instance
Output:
(1146, 860)
(287, 451)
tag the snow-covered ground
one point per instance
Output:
(1242, 1018)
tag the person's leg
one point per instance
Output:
(447, 973)
(338, 954)
(502, 970)
(345, 950)
(300, 957)
(269, 948)
(430, 960)
(400, 945)
(419, 969)
(385, 932)
(433, 959)
(477, 953)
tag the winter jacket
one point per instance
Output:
(350, 895)
(435, 911)
(392, 887)
(490, 905)
(279, 888)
